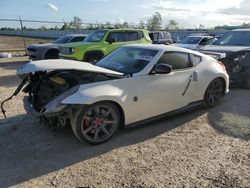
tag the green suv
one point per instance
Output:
(101, 42)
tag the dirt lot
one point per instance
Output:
(201, 148)
(16, 43)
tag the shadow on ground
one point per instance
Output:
(32, 150)
(233, 116)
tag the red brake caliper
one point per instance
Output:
(86, 123)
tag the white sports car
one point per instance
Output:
(132, 84)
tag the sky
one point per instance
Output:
(188, 13)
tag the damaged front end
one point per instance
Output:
(238, 68)
(47, 90)
(49, 82)
(237, 65)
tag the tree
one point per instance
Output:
(172, 24)
(141, 25)
(65, 27)
(76, 23)
(125, 24)
(154, 23)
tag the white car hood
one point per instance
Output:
(62, 64)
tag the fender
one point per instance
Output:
(111, 91)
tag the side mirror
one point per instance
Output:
(161, 69)
(110, 40)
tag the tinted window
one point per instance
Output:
(118, 36)
(77, 39)
(177, 60)
(241, 38)
(132, 35)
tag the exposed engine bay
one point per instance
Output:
(48, 89)
(238, 67)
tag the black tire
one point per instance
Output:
(93, 57)
(52, 54)
(214, 93)
(246, 80)
(86, 128)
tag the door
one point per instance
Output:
(163, 93)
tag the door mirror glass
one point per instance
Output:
(161, 69)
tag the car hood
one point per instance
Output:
(45, 45)
(223, 49)
(62, 64)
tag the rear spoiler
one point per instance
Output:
(215, 55)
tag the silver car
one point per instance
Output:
(51, 50)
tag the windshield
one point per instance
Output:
(128, 60)
(95, 36)
(241, 38)
(191, 40)
(62, 40)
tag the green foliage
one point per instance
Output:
(154, 23)
(172, 24)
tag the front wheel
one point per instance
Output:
(214, 93)
(97, 123)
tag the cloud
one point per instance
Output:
(51, 7)
(242, 9)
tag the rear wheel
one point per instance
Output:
(97, 123)
(214, 92)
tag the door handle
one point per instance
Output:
(196, 75)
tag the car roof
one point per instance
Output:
(201, 36)
(247, 29)
(124, 29)
(76, 35)
(161, 47)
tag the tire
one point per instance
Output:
(214, 93)
(246, 80)
(96, 123)
(52, 54)
(93, 57)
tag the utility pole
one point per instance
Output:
(24, 43)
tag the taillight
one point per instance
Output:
(222, 65)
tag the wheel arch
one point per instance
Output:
(93, 52)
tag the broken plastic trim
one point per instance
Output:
(19, 88)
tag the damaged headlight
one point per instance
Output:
(55, 105)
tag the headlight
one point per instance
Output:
(55, 105)
(72, 50)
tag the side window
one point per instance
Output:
(196, 59)
(77, 39)
(203, 41)
(118, 36)
(132, 35)
(177, 60)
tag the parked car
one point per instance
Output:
(101, 42)
(51, 50)
(133, 84)
(160, 37)
(194, 42)
(233, 49)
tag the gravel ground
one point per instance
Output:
(201, 148)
